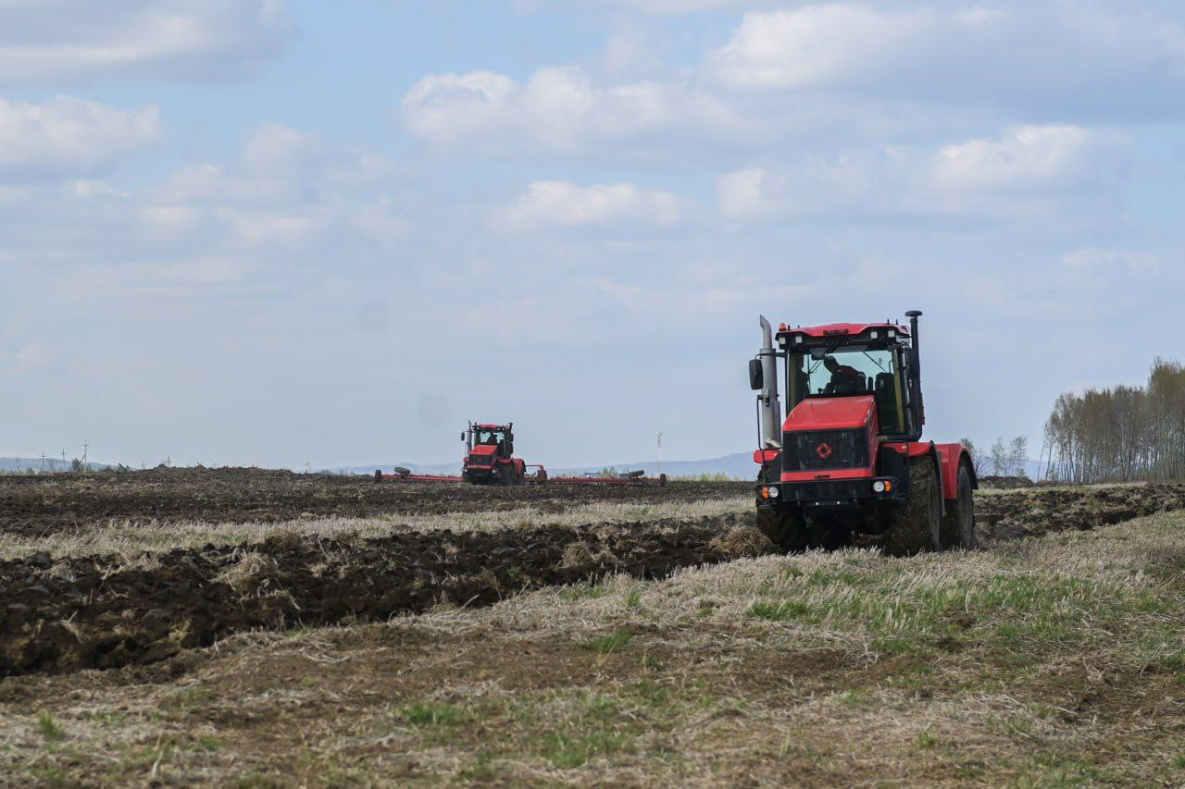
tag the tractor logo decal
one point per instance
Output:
(824, 450)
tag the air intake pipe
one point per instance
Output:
(771, 406)
(915, 373)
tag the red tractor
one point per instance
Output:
(847, 454)
(490, 457)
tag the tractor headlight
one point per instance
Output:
(773, 493)
(879, 487)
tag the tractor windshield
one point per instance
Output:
(846, 371)
(491, 437)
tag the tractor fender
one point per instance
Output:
(951, 458)
(928, 449)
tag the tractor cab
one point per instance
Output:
(499, 437)
(852, 361)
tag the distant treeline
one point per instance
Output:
(1122, 434)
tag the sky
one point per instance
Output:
(290, 232)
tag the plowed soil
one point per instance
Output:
(73, 612)
(63, 502)
(98, 612)
(1036, 511)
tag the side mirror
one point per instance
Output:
(756, 375)
(462, 436)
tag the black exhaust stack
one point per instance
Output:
(915, 373)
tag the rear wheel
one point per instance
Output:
(506, 475)
(958, 525)
(915, 525)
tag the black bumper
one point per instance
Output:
(829, 493)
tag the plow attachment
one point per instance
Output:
(404, 475)
(540, 477)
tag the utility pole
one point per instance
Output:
(42, 462)
(660, 453)
(85, 446)
(63, 457)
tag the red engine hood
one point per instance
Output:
(832, 413)
(484, 449)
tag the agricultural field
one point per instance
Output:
(259, 628)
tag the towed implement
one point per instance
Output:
(847, 456)
(489, 460)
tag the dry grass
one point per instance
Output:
(1048, 662)
(131, 538)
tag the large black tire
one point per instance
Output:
(915, 525)
(786, 529)
(958, 525)
(827, 533)
(506, 475)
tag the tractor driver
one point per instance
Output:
(844, 379)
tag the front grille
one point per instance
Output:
(824, 450)
(481, 460)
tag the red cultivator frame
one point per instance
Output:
(540, 477)
(489, 460)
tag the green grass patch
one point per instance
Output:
(49, 729)
(432, 715)
(612, 642)
(574, 594)
(786, 611)
(569, 751)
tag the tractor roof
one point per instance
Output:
(492, 427)
(837, 331)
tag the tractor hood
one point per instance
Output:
(484, 449)
(831, 413)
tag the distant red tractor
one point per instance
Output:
(847, 454)
(490, 457)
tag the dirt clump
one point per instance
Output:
(743, 541)
(1005, 483)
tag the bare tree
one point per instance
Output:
(998, 458)
(1123, 433)
(1018, 457)
(978, 461)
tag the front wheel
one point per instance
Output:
(828, 533)
(915, 524)
(958, 525)
(785, 528)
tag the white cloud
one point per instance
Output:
(55, 41)
(1028, 173)
(558, 110)
(658, 7)
(287, 193)
(1050, 57)
(1037, 157)
(559, 204)
(1095, 257)
(67, 136)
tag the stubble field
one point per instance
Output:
(255, 628)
